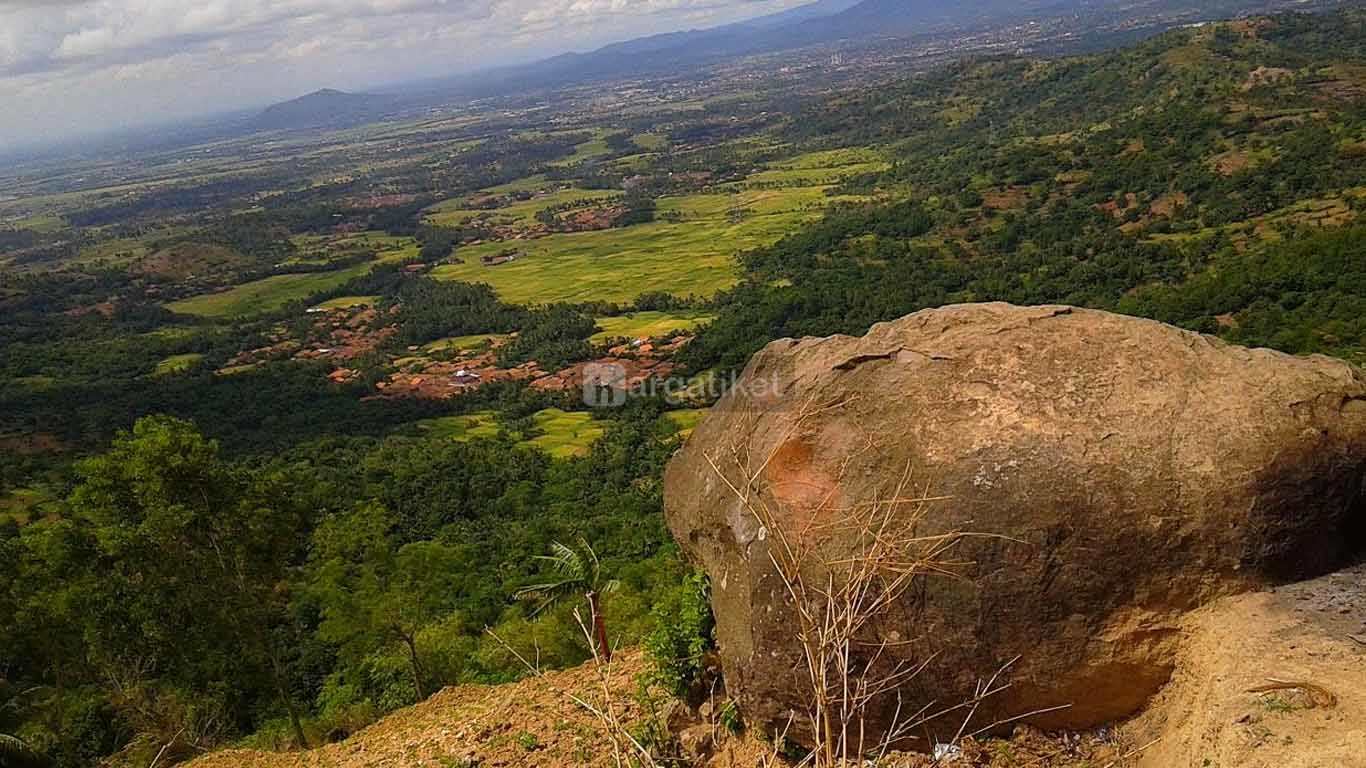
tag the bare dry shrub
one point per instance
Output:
(171, 726)
(843, 568)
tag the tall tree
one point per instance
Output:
(189, 558)
(374, 593)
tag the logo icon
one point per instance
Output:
(604, 385)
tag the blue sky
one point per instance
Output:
(76, 67)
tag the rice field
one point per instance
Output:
(821, 168)
(451, 213)
(273, 293)
(688, 251)
(686, 421)
(647, 325)
(267, 295)
(589, 150)
(564, 434)
(177, 364)
(348, 302)
(473, 426)
(463, 343)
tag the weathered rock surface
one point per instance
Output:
(1129, 471)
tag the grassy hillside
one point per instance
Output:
(1212, 177)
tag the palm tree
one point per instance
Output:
(14, 753)
(575, 572)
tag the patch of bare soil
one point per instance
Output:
(1231, 162)
(1268, 680)
(1115, 209)
(31, 444)
(1323, 213)
(527, 724)
(1006, 198)
(1251, 28)
(1169, 204)
(1030, 748)
(1266, 76)
(1344, 83)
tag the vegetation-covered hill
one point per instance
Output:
(1211, 177)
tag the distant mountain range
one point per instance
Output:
(332, 108)
(824, 22)
(818, 23)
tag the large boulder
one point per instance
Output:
(1120, 473)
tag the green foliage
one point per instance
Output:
(555, 337)
(371, 592)
(682, 635)
(429, 310)
(1194, 238)
(15, 753)
(342, 579)
(573, 572)
(438, 243)
(1304, 295)
(730, 718)
(332, 561)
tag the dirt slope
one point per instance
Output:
(1208, 716)
(525, 724)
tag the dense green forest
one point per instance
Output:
(327, 583)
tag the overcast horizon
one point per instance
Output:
(73, 69)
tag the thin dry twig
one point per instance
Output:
(1132, 753)
(1320, 696)
(842, 568)
(161, 752)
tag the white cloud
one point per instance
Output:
(73, 66)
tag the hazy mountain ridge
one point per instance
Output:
(824, 22)
(326, 108)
